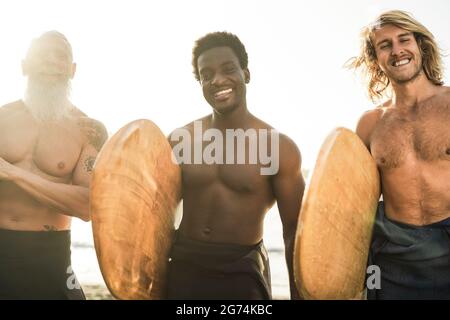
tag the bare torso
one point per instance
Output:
(226, 203)
(50, 151)
(412, 151)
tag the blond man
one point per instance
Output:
(408, 135)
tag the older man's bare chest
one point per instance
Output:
(423, 134)
(49, 149)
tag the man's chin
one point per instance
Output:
(405, 77)
(223, 109)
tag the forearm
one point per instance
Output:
(70, 200)
(289, 241)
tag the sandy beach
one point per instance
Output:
(97, 292)
(97, 289)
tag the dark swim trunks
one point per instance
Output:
(414, 260)
(211, 271)
(36, 265)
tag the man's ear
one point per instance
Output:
(73, 70)
(247, 75)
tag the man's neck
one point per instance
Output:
(408, 95)
(236, 118)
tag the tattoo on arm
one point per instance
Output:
(89, 164)
(50, 228)
(95, 132)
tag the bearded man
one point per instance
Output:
(47, 151)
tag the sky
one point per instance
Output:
(134, 57)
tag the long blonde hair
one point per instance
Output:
(377, 81)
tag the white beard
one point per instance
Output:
(48, 101)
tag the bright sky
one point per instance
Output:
(134, 57)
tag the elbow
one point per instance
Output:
(86, 217)
(84, 213)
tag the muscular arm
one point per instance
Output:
(288, 186)
(68, 199)
(174, 139)
(366, 125)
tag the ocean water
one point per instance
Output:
(85, 264)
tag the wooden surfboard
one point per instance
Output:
(135, 190)
(336, 220)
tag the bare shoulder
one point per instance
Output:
(290, 158)
(446, 91)
(78, 113)
(205, 121)
(367, 123)
(93, 130)
(288, 147)
(436, 106)
(12, 108)
(288, 150)
(260, 124)
(444, 97)
(174, 135)
(286, 143)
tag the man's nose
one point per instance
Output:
(397, 49)
(218, 79)
(55, 67)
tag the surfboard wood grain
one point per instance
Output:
(134, 193)
(336, 220)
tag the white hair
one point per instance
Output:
(48, 101)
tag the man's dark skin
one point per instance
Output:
(227, 203)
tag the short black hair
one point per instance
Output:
(219, 39)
